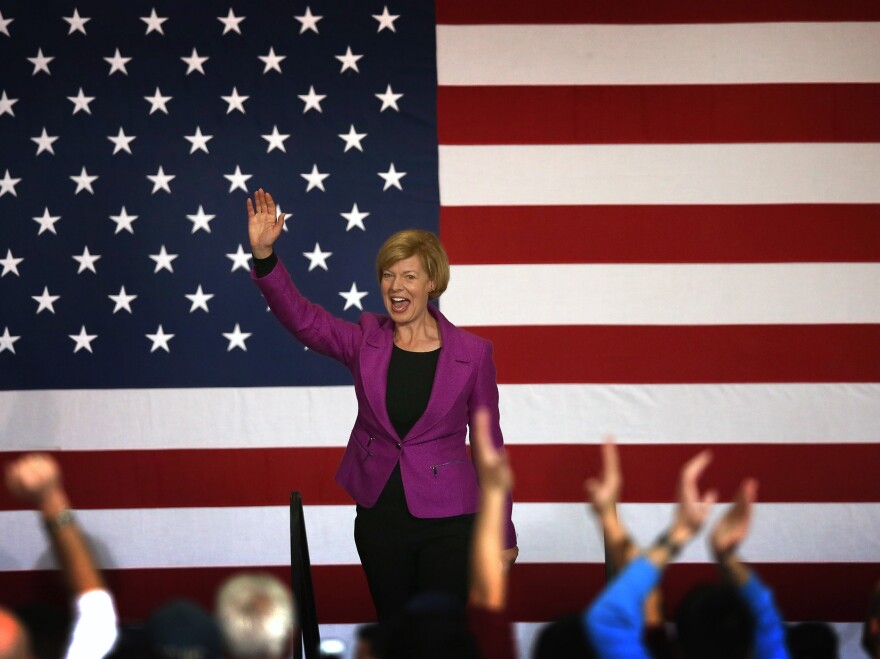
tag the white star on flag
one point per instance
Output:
(352, 139)
(123, 300)
(194, 62)
(6, 104)
(84, 181)
(355, 218)
(45, 300)
(77, 23)
(317, 258)
(158, 102)
(7, 184)
(154, 23)
(199, 142)
(352, 297)
(349, 61)
(81, 102)
(199, 299)
(308, 21)
(231, 22)
(123, 221)
(386, 20)
(4, 24)
(236, 338)
(315, 179)
(200, 220)
(86, 261)
(392, 178)
(7, 340)
(40, 62)
(83, 340)
(240, 259)
(117, 63)
(44, 142)
(312, 100)
(46, 221)
(272, 61)
(163, 260)
(389, 99)
(160, 340)
(10, 264)
(121, 141)
(161, 180)
(237, 180)
(276, 140)
(235, 101)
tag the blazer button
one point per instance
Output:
(399, 446)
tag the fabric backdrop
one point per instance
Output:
(664, 215)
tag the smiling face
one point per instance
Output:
(405, 290)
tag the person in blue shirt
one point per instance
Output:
(738, 620)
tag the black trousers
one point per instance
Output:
(404, 556)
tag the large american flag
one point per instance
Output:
(664, 215)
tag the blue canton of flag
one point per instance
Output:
(130, 136)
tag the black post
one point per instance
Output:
(301, 584)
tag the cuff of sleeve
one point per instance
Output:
(263, 267)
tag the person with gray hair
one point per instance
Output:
(256, 616)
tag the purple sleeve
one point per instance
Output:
(315, 327)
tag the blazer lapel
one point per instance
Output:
(374, 359)
(453, 370)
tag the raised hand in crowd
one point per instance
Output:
(36, 479)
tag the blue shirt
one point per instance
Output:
(615, 621)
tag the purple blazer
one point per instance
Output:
(438, 478)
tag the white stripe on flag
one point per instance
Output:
(658, 54)
(322, 416)
(664, 294)
(659, 174)
(547, 533)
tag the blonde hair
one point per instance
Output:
(425, 245)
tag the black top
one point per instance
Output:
(410, 379)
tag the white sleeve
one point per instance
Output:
(94, 627)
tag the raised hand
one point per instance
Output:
(693, 509)
(34, 478)
(263, 226)
(733, 526)
(496, 481)
(492, 467)
(604, 492)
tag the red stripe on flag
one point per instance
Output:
(555, 473)
(658, 114)
(681, 354)
(539, 592)
(662, 234)
(489, 12)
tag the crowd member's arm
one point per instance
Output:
(488, 583)
(488, 588)
(728, 534)
(36, 479)
(604, 495)
(615, 621)
(484, 398)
